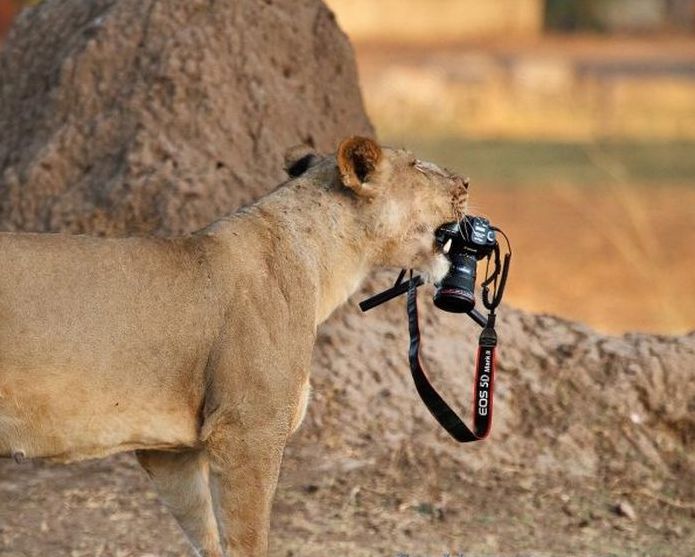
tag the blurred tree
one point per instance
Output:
(619, 15)
(681, 13)
(571, 15)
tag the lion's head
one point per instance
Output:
(399, 200)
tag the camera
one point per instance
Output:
(464, 243)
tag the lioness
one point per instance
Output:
(195, 351)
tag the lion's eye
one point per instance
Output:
(430, 168)
(421, 167)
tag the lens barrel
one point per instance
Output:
(456, 292)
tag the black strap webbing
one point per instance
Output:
(484, 379)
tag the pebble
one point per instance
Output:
(626, 509)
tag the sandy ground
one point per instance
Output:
(356, 505)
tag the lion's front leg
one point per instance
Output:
(256, 396)
(245, 464)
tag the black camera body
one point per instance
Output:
(464, 243)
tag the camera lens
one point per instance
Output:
(455, 293)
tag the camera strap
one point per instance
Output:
(485, 362)
(484, 378)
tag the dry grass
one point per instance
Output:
(594, 240)
(620, 258)
(581, 149)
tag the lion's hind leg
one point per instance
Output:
(181, 479)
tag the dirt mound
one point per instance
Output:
(126, 116)
(568, 401)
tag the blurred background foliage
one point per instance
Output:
(572, 15)
(618, 15)
(574, 119)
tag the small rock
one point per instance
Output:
(626, 509)
(635, 418)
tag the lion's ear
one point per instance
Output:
(358, 158)
(299, 159)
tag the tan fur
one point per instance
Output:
(195, 351)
